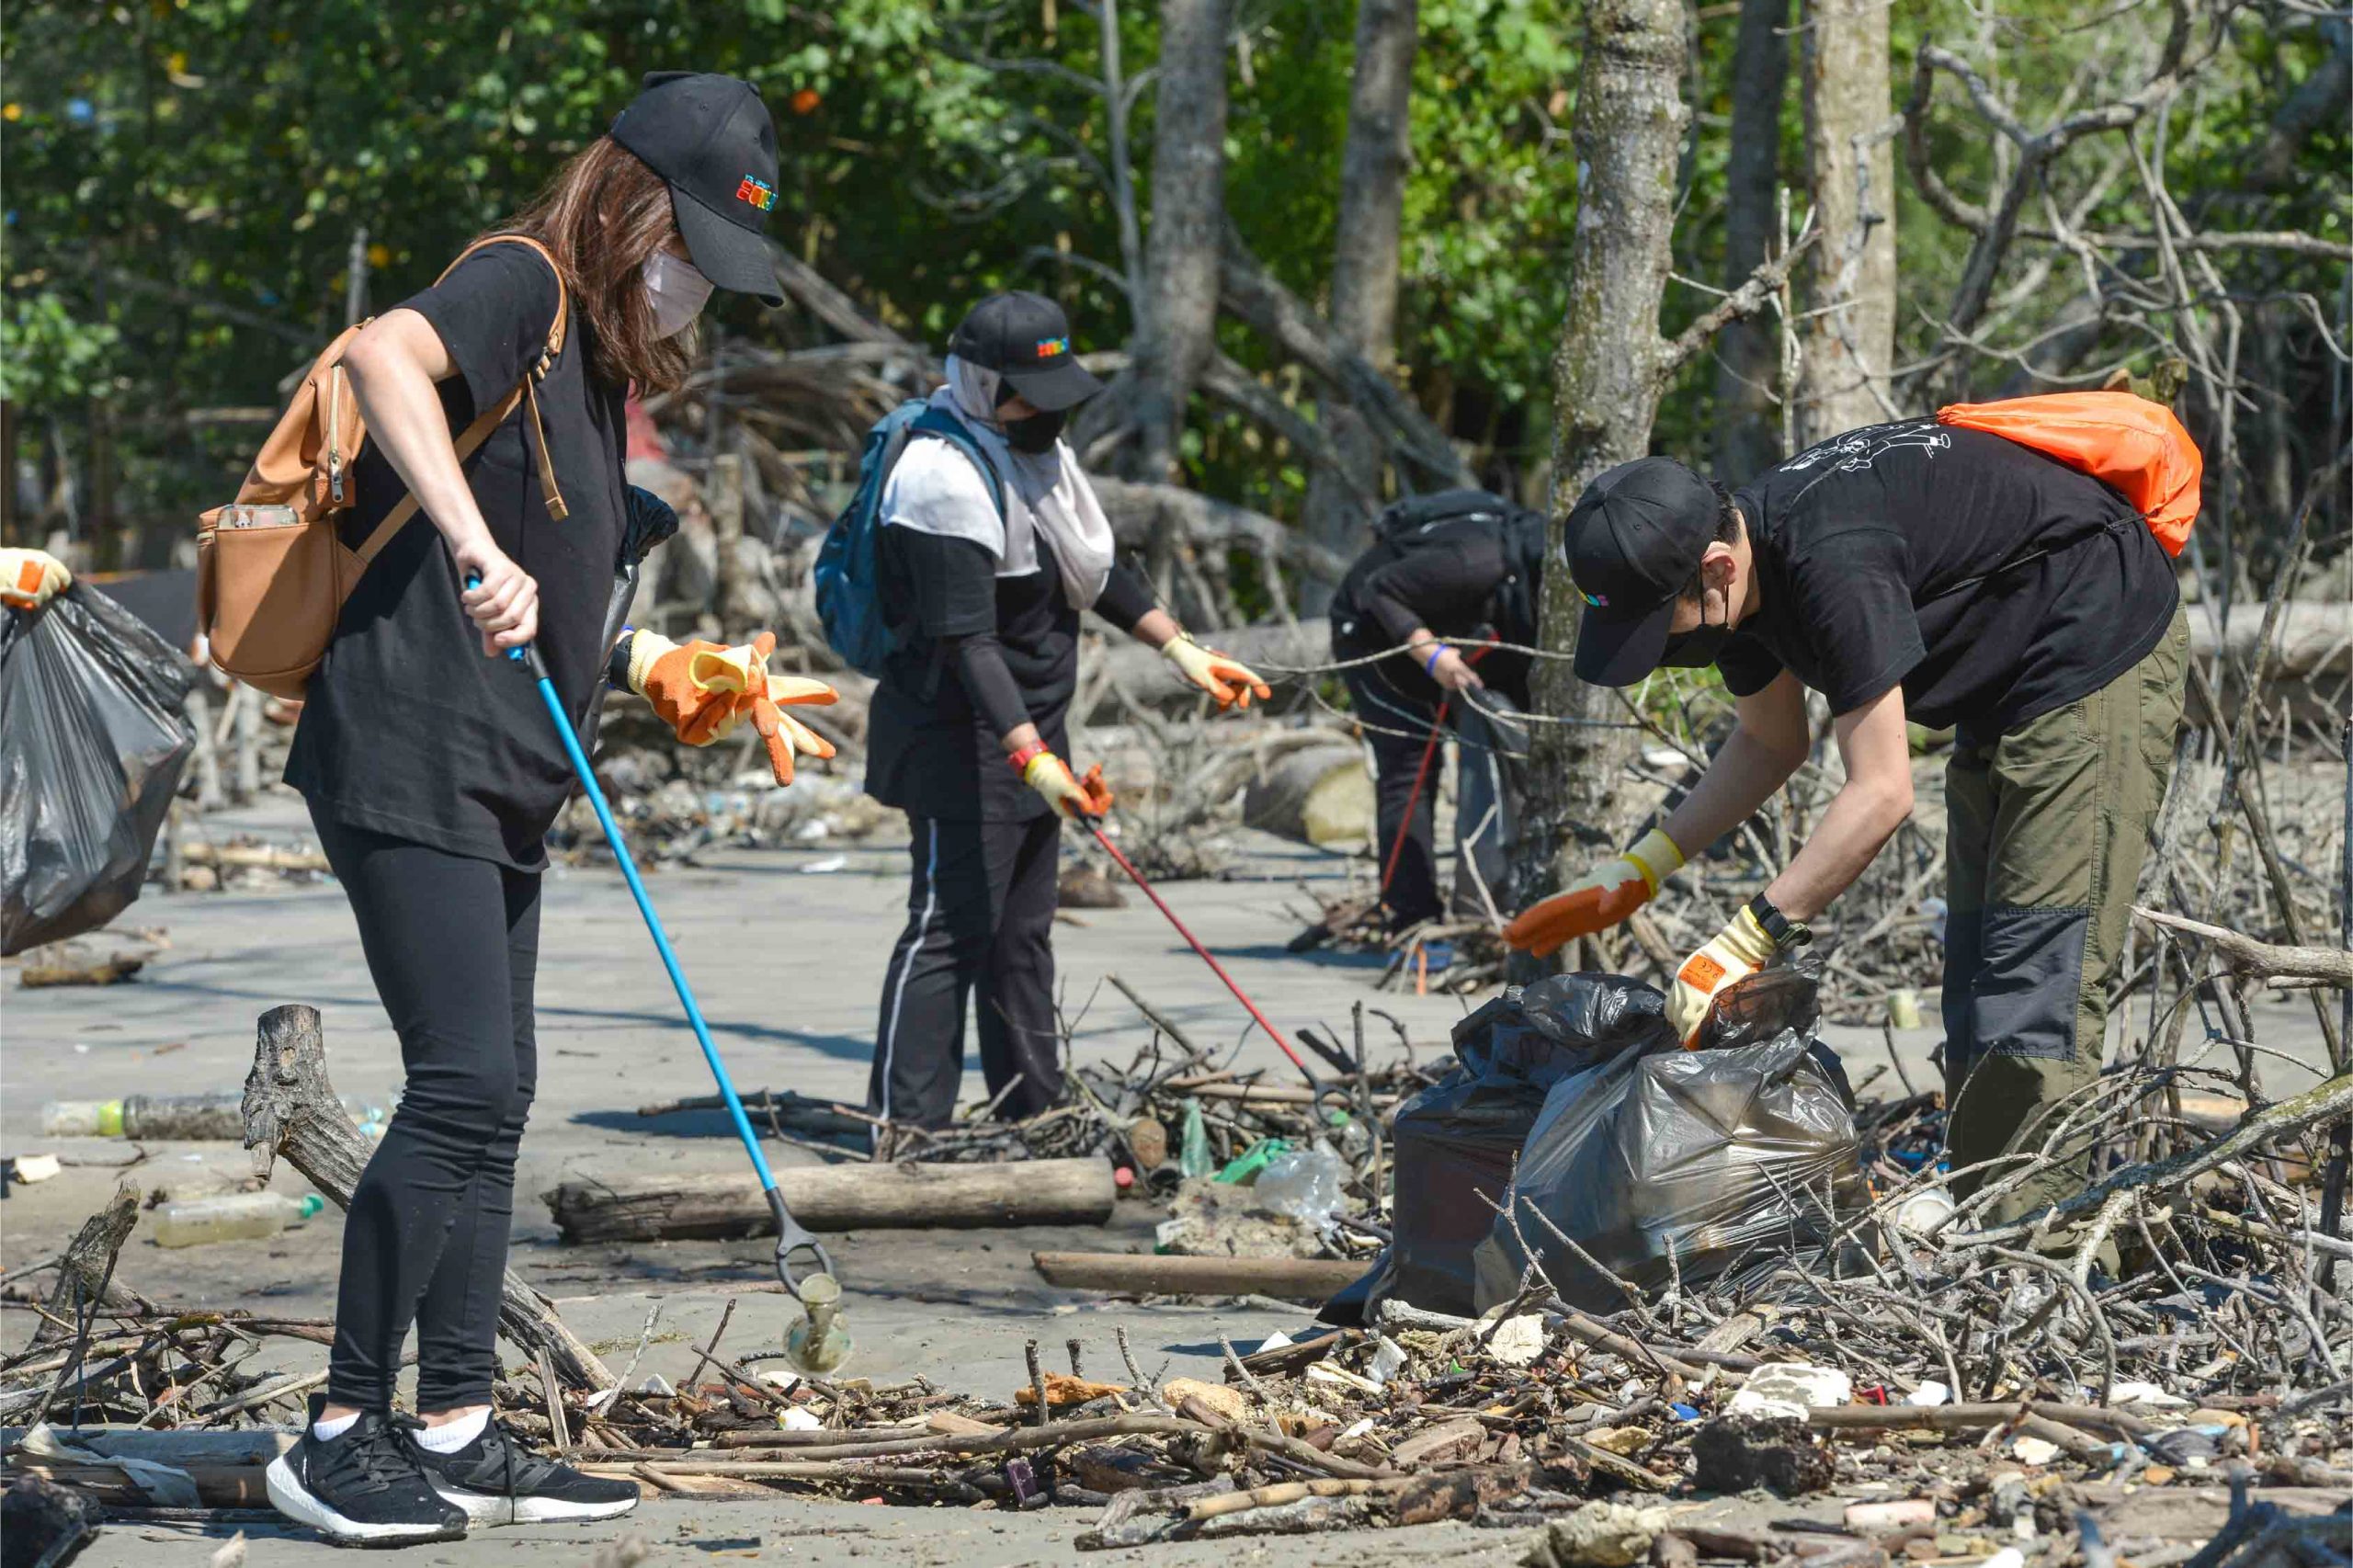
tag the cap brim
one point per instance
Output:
(731, 256)
(1066, 385)
(1618, 649)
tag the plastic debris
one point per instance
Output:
(1304, 1184)
(1599, 1535)
(1789, 1389)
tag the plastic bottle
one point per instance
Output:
(1193, 1144)
(176, 1118)
(232, 1217)
(1303, 1184)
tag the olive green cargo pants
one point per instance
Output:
(2047, 829)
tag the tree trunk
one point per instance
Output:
(1322, 796)
(1629, 129)
(1365, 264)
(1181, 258)
(1747, 423)
(1850, 343)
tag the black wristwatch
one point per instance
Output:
(1787, 935)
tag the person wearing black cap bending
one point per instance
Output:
(989, 571)
(432, 772)
(1948, 576)
(1444, 572)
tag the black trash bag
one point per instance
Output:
(92, 742)
(1459, 1137)
(1707, 1153)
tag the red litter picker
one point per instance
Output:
(1195, 942)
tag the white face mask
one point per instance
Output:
(677, 290)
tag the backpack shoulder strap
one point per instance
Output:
(940, 424)
(525, 391)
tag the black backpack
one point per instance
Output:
(1419, 521)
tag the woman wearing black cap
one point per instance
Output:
(433, 772)
(990, 570)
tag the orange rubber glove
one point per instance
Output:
(704, 691)
(31, 578)
(1599, 899)
(1739, 950)
(1074, 797)
(1231, 682)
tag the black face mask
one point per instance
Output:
(1697, 648)
(1037, 433)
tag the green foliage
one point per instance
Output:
(185, 180)
(47, 356)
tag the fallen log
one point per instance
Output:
(263, 857)
(836, 1198)
(1322, 796)
(291, 1109)
(183, 1447)
(1144, 1274)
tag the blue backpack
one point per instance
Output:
(849, 564)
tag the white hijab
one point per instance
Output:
(1042, 490)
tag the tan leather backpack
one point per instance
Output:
(271, 571)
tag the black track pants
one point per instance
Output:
(453, 944)
(980, 918)
(1397, 725)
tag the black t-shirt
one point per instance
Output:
(1453, 583)
(931, 750)
(1992, 583)
(407, 729)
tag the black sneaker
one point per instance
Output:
(498, 1481)
(363, 1488)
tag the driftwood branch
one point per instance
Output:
(291, 1109)
(2272, 961)
(2330, 1098)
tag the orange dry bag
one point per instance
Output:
(2134, 446)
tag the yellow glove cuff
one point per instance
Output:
(1745, 938)
(645, 647)
(1043, 761)
(1657, 858)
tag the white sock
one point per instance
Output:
(328, 1431)
(451, 1436)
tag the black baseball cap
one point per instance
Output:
(1635, 539)
(1026, 339)
(711, 140)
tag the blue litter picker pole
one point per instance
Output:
(789, 1237)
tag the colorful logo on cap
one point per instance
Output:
(1050, 346)
(757, 191)
(1598, 601)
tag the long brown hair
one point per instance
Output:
(603, 215)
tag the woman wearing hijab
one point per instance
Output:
(432, 772)
(989, 572)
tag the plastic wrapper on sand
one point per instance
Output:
(1744, 1145)
(92, 742)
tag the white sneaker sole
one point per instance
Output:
(291, 1499)
(489, 1509)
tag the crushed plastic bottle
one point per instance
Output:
(232, 1217)
(1193, 1144)
(1303, 1184)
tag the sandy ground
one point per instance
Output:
(793, 1004)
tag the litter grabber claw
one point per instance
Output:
(790, 1237)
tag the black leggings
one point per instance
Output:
(453, 944)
